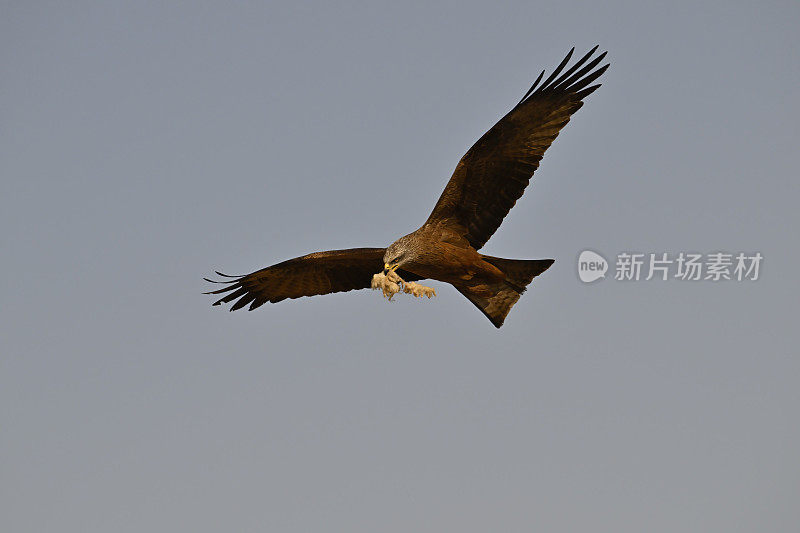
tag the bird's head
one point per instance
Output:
(396, 255)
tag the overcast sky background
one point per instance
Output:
(143, 145)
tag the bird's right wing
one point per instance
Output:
(309, 275)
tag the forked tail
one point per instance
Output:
(496, 300)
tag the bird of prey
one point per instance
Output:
(485, 185)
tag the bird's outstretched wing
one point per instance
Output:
(309, 275)
(493, 174)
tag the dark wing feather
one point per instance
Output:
(309, 275)
(493, 174)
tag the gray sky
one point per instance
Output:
(144, 144)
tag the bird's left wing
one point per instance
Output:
(493, 174)
(309, 275)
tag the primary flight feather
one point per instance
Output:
(485, 185)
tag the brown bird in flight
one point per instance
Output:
(486, 184)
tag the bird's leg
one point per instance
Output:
(391, 283)
(386, 283)
(417, 290)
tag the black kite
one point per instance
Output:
(486, 184)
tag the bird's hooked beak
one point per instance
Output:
(390, 268)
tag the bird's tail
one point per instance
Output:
(495, 301)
